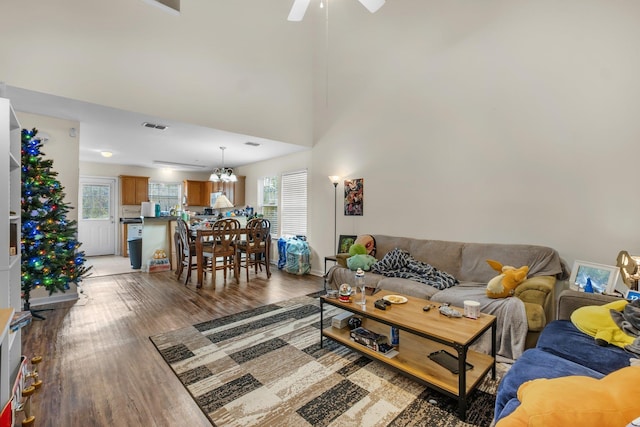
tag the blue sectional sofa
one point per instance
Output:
(562, 350)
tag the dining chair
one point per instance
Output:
(216, 249)
(179, 253)
(257, 247)
(185, 249)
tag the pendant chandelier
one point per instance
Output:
(223, 174)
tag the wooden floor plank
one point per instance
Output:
(101, 369)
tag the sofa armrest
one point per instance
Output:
(341, 259)
(569, 300)
(537, 294)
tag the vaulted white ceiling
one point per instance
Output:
(221, 73)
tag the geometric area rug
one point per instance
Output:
(265, 367)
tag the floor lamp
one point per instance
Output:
(334, 181)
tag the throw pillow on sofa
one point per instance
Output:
(578, 400)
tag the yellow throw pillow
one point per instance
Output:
(578, 401)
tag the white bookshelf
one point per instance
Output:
(10, 222)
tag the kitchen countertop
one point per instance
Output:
(134, 220)
(151, 219)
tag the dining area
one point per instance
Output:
(222, 245)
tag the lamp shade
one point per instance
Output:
(222, 202)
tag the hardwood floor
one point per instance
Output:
(101, 369)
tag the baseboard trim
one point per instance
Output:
(53, 299)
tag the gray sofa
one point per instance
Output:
(520, 319)
(563, 350)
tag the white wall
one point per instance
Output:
(62, 149)
(492, 121)
(238, 66)
(489, 121)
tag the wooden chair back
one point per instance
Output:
(258, 232)
(226, 233)
(257, 247)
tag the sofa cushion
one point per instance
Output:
(407, 287)
(443, 255)
(541, 260)
(563, 339)
(608, 401)
(534, 363)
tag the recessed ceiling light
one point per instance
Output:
(106, 153)
(253, 144)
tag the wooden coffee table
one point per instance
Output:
(422, 333)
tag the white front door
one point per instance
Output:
(96, 220)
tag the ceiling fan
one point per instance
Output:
(300, 7)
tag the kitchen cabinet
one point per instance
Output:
(237, 196)
(197, 192)
(10, 226)
(233, 190)
(134, 189)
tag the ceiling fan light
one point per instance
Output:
(372, 5)
(298, 10)
(214, 177)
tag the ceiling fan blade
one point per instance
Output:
(372, 5)
(298, 10)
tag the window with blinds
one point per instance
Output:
(294, 203)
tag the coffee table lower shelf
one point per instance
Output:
(413, 361)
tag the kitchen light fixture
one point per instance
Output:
(106, 154)
(223, 174)
(222, 202)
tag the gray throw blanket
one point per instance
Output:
(399, 263)
(511, 319)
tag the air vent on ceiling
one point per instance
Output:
(253, 144)
(154, 126)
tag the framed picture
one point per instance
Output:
(344, 243)
(353, 197)
(603, 277)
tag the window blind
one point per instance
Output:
(294, 203)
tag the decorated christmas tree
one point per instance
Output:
(50, 255)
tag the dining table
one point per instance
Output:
(206, 236)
